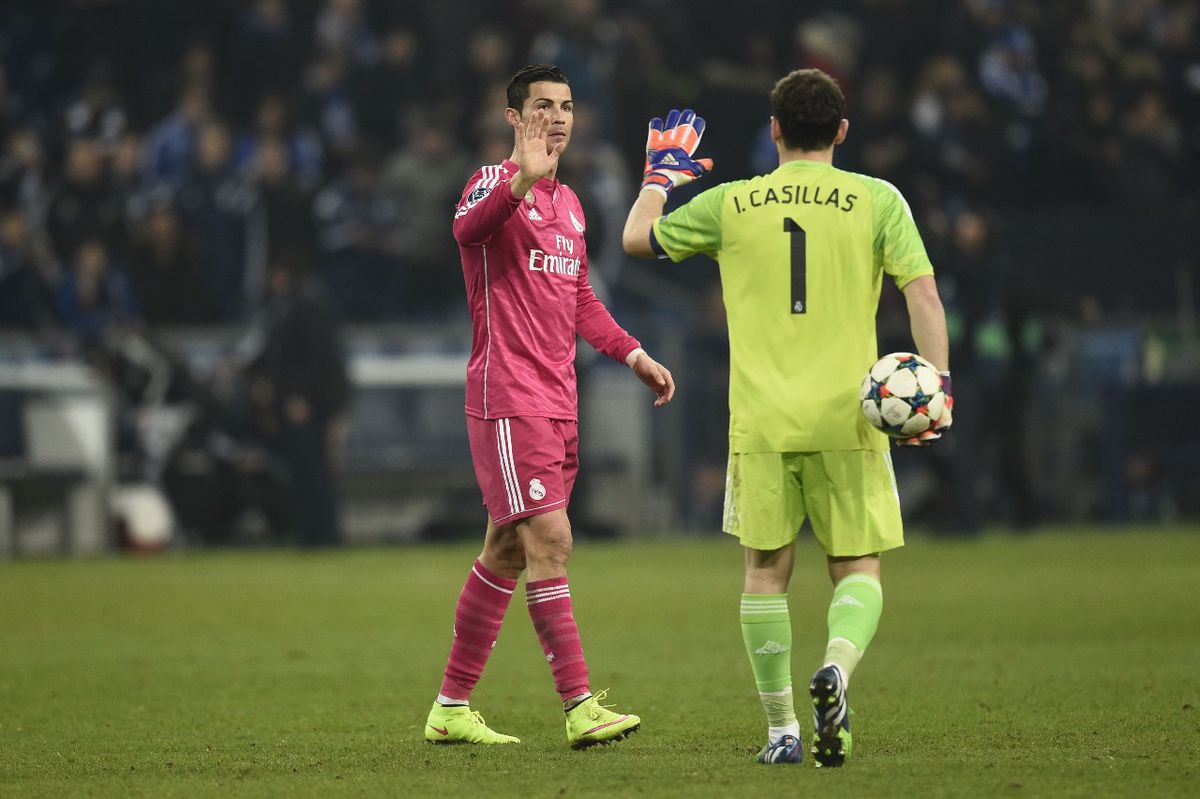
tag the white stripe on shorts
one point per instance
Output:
(508, 465)
(728, 485)
(508, 486)
(512, 465)
(887, 459)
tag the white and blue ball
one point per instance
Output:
(902, 395)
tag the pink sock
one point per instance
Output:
(550, 609)
(477, 618)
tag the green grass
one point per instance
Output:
(1062, 664)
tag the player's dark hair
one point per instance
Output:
(518, 87)
(809, 107)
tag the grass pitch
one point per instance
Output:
(1062, 664)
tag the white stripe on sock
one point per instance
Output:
(489, 582)
(547, 589)
(559, 591)
(547, 599)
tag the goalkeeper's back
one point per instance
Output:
(802, 254)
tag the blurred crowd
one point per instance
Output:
(155, 153)
(160, 160)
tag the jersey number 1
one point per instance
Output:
(799, 256)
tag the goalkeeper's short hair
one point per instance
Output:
(518, 87)
(809, 106)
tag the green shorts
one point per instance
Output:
(850, 496)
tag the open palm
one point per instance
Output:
(534, 157)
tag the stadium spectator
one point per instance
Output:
(271, 123)
(362, 234)
(1009, 71)
(1144, 155)
(705, 402)
(957, 147)
(82, 205)
(489, 55)
(283, 214)
(23, 176)
(881, 144)
(646, 76)
(300, 378)
(586, 45)
(831, 42)
(96, 114)
(164, 266)
(430, 168)
(216, 203)
(95, 296)
(1175, 38)
(327, 84)
(198, 65)
(268, 52)
(8, 111)
(597, 174)
(342, 27)
(24, 291)
(126, 182)
(171, 144)
(386, 90)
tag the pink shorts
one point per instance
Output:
(525, 465)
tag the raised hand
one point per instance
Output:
(669, 149)
(535, 156)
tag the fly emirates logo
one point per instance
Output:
(561, 264)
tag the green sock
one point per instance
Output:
(853, 618)
(767, 633)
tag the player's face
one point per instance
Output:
(555, 100)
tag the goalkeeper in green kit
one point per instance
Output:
(802, 254)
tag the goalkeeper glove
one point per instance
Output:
(669, 149)
(938, 425)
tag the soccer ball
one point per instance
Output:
(902, 395)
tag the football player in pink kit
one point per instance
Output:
(521, 236)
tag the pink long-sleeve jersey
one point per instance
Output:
(525, 266)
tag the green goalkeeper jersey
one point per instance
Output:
(802, 253)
